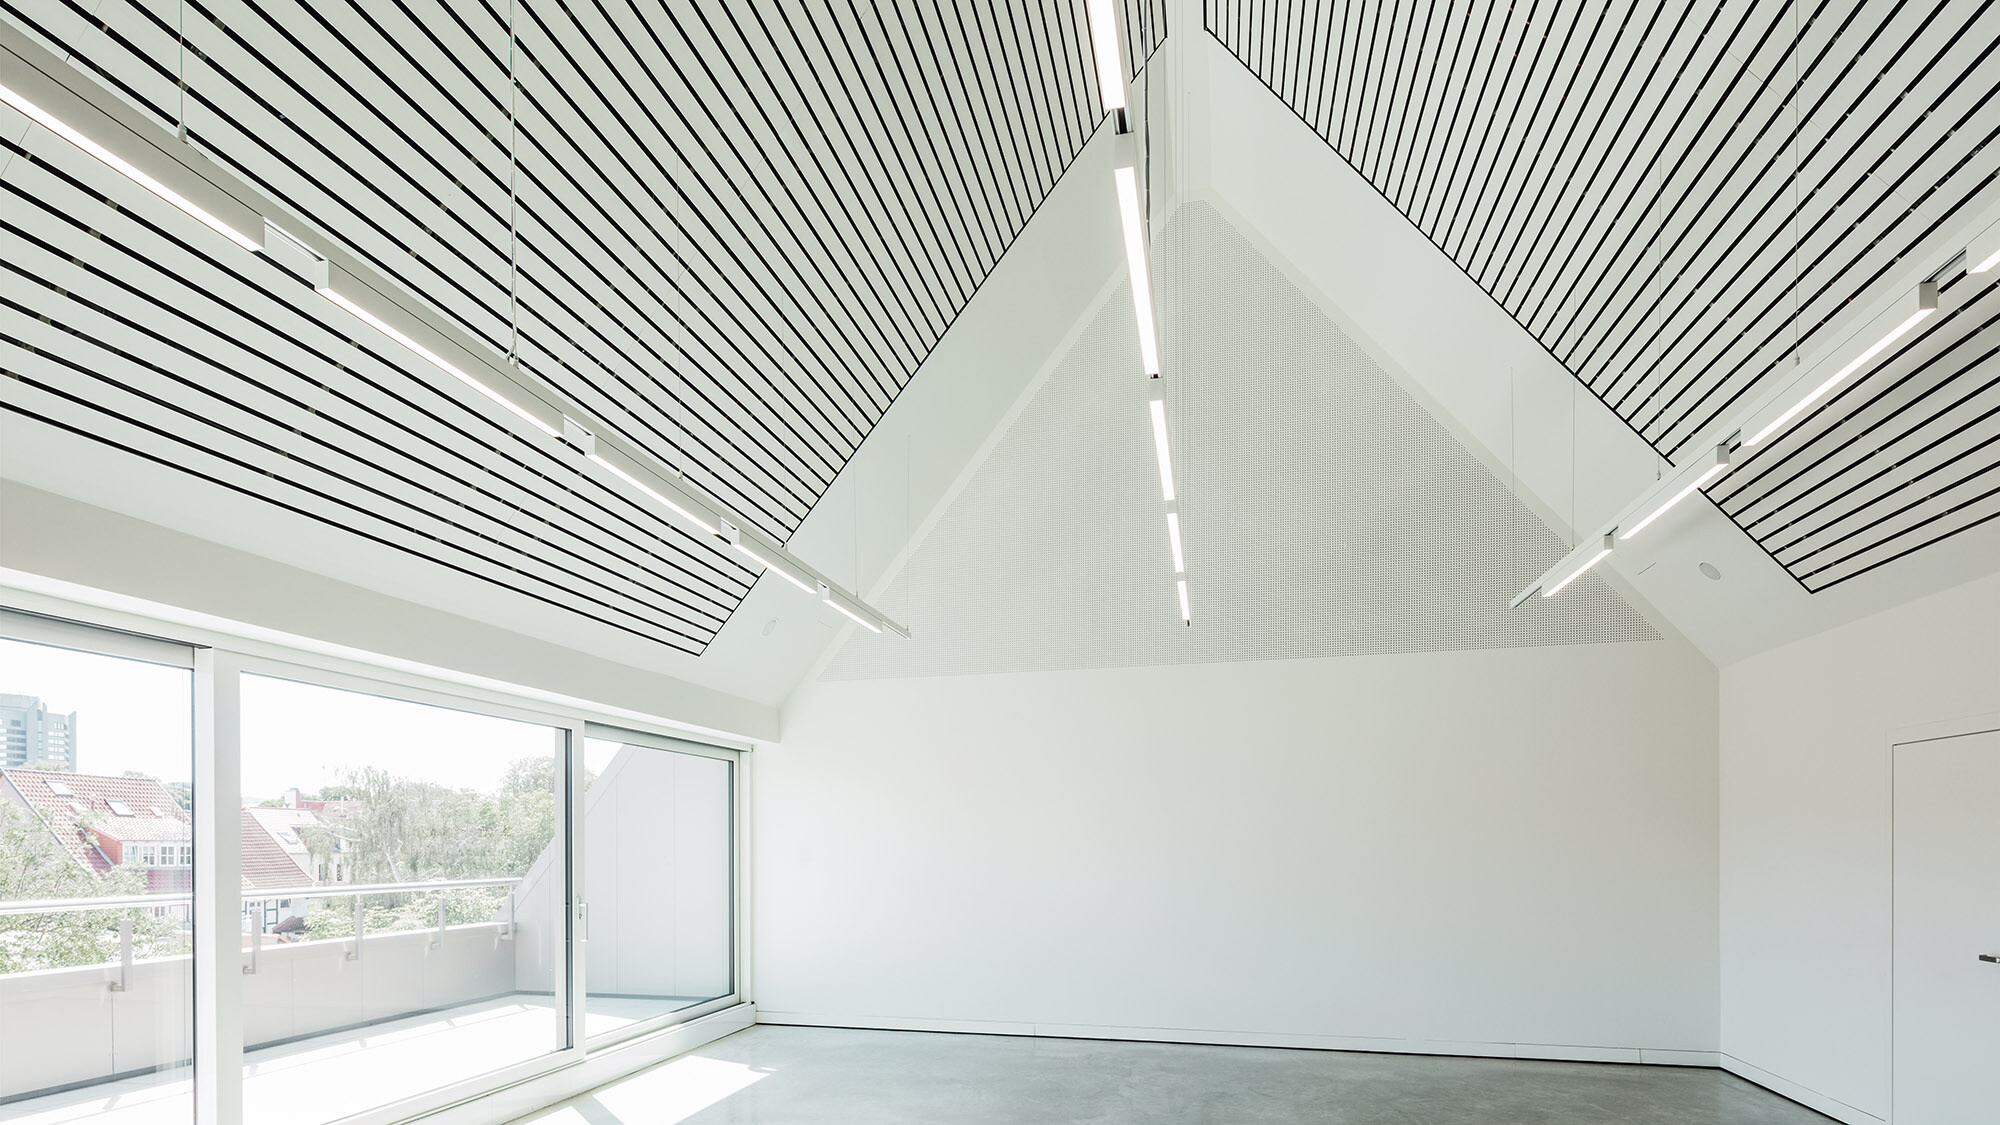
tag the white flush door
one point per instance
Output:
(1947, 931)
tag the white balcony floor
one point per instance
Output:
(331, 1076)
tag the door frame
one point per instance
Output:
(1917, 734)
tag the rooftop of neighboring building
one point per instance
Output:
(81, 808)
(268, 863)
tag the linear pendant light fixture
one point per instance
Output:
(1110, 63)
(1126, 176)
(1164, 459)
(118, 164)
(51, 93)
(830, 597)
(1599, 551)
(435, 360)
(1983, 252)
(1766, 416)
(1890, 326)
(1710, 468)
(1107, 48)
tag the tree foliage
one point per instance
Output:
(398, 829)
(34, 865)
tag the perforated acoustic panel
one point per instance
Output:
(1327, 513)
(1679, 200)
(739, 228)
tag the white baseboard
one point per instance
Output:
(1552, 1051)
(1805, 1096)
(544, 1090)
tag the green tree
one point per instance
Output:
(34, 865)
(401, 830)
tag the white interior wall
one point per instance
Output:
(1508, 852)
(1806, 732)
(656, 831)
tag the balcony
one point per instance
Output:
(339, 1024)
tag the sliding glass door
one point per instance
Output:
(96, 875)
(658, 881)
(405, 875)
(440, 893)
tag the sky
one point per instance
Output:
(130, 715)
(137, 716)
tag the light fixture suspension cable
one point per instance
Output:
(513, 192)
(180, 74)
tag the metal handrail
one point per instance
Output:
(68, 905)
(128, 903)
(330, 890)
(335, 890)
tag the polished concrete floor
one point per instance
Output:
(825, 1076)
(329, 1076)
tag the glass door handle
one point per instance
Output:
(1990, 957)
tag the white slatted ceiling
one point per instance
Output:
(738, 231)
(1676, 201)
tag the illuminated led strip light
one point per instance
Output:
(1887, 328)
(33, 89)
(1105, 49)
(1761, 421)
(1983, 252)
(119, 165)
(1597, 553)
(1126, 177)
(437, 361)
(1710, 468)
(1108, 50)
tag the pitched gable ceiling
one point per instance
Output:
(732, 231)
(1678, 202)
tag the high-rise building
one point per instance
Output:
(31, 734)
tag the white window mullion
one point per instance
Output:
(575, 912)
(218, 889)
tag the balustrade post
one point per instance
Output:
(256, 941)
(124, 980)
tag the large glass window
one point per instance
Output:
(658, 880)
(405, 874)
(96, 854)
(438, 896)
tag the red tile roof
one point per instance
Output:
(92, 794)
(265, 864)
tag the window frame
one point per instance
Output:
(218, 660)
(738, 847)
